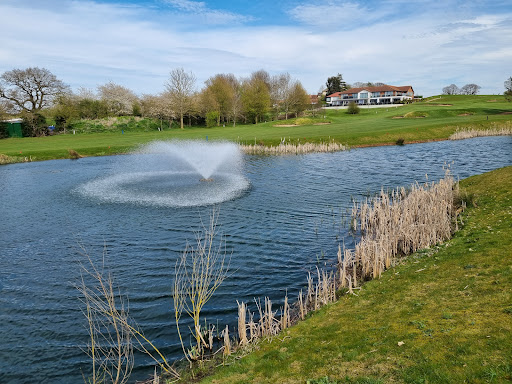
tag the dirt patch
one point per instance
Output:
(492, 101)
(398, 117)
(506, 113)
(321, 123)
(442, 105)
(465, 114)
(285, 125)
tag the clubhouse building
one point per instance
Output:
(383, 94)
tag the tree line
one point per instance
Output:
(36, 93)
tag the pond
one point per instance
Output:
(283, 217)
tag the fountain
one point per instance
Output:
(173, 174)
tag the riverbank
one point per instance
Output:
(443, 316)
(368, 128)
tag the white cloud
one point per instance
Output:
(331, 14)
(207, 15)
(86, 44)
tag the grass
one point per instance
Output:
(444, 316)
(369, 127)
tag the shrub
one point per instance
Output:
(3, 130)
(353, 108)
(400, 141)
(212, 118)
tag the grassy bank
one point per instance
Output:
(430, 120)
(444, 316)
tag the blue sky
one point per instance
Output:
(426, 44)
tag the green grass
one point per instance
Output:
(451, 307)
(369, 127)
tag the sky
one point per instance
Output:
(136, 43)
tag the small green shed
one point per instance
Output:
(14, 127)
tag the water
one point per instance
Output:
(283, 220)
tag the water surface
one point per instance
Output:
(287, 220)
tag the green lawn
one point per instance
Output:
(451, 307)
(421, 121)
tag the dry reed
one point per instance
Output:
(397, 224)
(496, 129)
(293, 148)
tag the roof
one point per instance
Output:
(380, 88)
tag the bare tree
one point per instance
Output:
(451, 89)
(279, 92)
(181, 88)
(120, 100)
(508, 89)
(198, 274)
(30, 89)
(470, 89)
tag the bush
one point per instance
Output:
(353, 108)
(212, 118)
(33, 125)
(3, 130)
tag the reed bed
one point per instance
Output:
(497, 129)
(397, 224)
(287, 148)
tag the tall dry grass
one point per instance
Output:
(397, 224)
(496, 129)
(286, 148)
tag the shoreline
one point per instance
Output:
(286, 148)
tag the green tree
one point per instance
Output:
(299, 98)
(336, 84)
(218, 96)
(65, 111)
(255, 98)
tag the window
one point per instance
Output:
(363, 95)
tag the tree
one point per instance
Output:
(279, 93)
(298, 98)
(218, 96)
(358, 84)
(180, 88)
(157, 107)
(30, 89)
(120, 100)
(451, 89)
(508, 87)
(64, 111)
(255, 98)
(336, 84)
(470, 89)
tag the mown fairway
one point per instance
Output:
(423, 121)
(444, 316)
